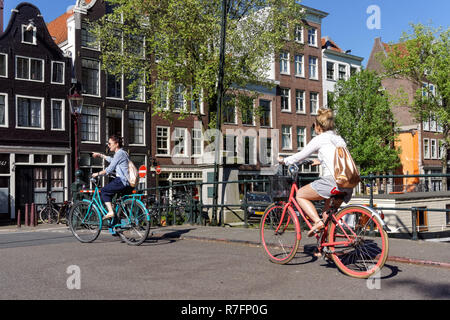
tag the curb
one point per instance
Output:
(419, 262)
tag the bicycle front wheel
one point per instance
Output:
(135, 222)
(85, 221)
(280, 235)
(362, 244)
(48, 215)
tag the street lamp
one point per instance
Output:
(76, 106)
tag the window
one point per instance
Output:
(29, 69)
(113, 122)
(88, 39)
(3, 110)
(28, 36)
(312, 37)
(266, 151)
(314, 102)
(57, 114)
(264, 106)
(353, 70)
(197, 142)
(30, 112)
(162, 140)
(230, 146)
(179, 138)
(90, 124)
(298, 34)
(286, 138)
(313, 68)
(246, 105)
(229, 110)
(426, 125)
(441, 149)
(426, 148)
(342, 72)
(57, 72)
(434, 148)
(178, 98)
(301, 138)
(313, 132)
(299, 66)
(330, 70)
(90, 73)
(249, 150)
(136, 86)
(285, 105)
(3, 65)
(162, 87)
(114, 86)
(433, 123)
(284, 62)
(136, 121)
(300, 101)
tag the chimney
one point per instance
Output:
(1, 16)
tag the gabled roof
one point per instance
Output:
(58, 27)
(329, 44)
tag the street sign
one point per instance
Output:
(158, 169)
(142, 171)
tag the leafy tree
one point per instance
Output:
(365, 120)
(423, 57)
(182, 39)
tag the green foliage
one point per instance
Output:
(365, 120)
(182, 40)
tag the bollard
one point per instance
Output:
(32, 215)
(35, 215)
(27, 215)
(414, 223)
(19, 222)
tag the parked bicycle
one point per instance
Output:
(63, 212)
(354, 237)
(49, 213)
(131, 223)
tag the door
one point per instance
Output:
(4, 199)
(24, 187)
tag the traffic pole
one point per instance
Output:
(19, 222)
(27, 215)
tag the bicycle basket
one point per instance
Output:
(280, 186)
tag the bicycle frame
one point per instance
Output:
(293, 202)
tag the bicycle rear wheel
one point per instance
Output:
(48, 215)
(366, 251)
(280, 236)
(135, 222)
(85, 221)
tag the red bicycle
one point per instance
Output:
(354, 237)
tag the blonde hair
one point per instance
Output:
(325, 119)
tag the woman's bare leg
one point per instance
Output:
(304, 197)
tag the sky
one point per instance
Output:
(348, 22)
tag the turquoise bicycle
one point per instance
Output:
(131, 223)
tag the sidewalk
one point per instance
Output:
(400, 250)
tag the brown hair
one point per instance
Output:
(117, 139)
(325, 119)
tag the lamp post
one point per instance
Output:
(76, 105)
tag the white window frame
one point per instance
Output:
(339, 71)
(426, 153)
(63, 115)
(433, 149)
(194, 138)
(167, 140)
(143, 91)
(24, 27)
(99, 81)
(304, 138)
(299, 30)
(252, 150)
(182, 93)
(302, 63)
(334, 70)
(144, 140)
(290, 137)
(316, 67)
(270, 113)
(284, 63)
(42, 127)
(63, 74)
(315, 37)
(96, 48)
(441, 149)
(175, 139)
(289, 100)
(122, 81)
(6, 111)
(303, 100)
(6, 65)
(99, 126)
(314, 112)
(29, 69)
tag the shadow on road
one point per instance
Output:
(165, 236)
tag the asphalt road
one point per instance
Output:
(53, 265)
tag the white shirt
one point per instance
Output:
(325, 144)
